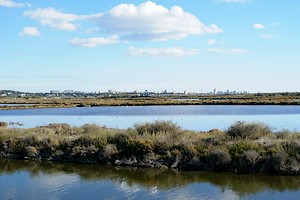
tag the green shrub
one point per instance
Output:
(203, 150)
(247, 130)
(89, 129)
(238, 148)
(248, 161)
(292, 148)
(218, 159)
(157, 127)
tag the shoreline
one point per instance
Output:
(70, 102)
(150, 104)
(242, 148)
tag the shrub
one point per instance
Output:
(91, 129)
(292, 148)
(246, 130)
(60, 129)
(240, 147)
(248, 161)
(218, 159)
(3, 125)
(203, 150)
(157, 127)
(278, 161)
(110, 150)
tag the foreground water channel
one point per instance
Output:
(197, 117)
(36, 180)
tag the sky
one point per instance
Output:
(193, 46)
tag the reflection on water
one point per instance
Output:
(31, 180)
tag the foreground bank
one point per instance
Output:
(242, 148)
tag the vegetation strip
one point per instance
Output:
(128, 100)
(242, 148)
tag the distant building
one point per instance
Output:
(68, 91)
(54, 92)
(145, 94)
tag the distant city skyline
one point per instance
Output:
(194, 46)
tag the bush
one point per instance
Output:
(110, 150)
(3, 125)
(292, 148)
(247, 130)
(157, 127)
(248, 161)
(60, 129)
(218, 159)
(91, 129)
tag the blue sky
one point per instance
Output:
(93, 45)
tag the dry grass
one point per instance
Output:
(244, 145)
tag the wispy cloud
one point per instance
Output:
(147, 21)
(53, 18)
(11, 4)
(211, 42)
(29, 31)
(227, 51)
(94, 41)
(259, 26)
(164, 52)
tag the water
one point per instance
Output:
(36, 180)
(199, 118)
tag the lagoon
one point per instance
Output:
(36, 180)
(195, 117)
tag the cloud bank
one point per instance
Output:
(147, 22)
(94, 41)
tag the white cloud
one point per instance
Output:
(94, 41)
(53, 18)
(233, 1)
(268, 36)
(164, 52)
(211, 42)
(259, 26)
(149, 21)
(10, 4)
(30, 31)
(227, 51)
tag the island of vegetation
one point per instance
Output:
(242, 148)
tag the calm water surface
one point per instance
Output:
(202, 118)
(30, 180)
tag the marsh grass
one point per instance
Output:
(243, 145)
